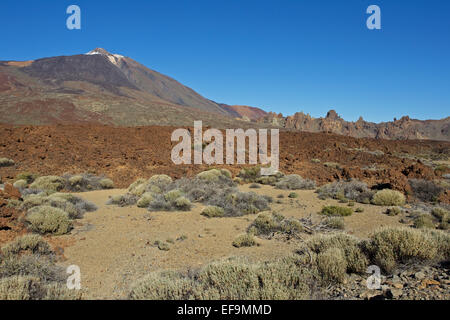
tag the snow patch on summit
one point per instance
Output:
(113, 58)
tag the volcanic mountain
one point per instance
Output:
(101, 87)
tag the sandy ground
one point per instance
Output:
(113, 246)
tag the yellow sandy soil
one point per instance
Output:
(113, 246)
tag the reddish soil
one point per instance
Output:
(127, 153)
(10, 219)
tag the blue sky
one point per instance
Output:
(283, 56)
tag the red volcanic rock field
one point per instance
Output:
(125, 154)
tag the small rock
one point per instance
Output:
(398, 285)
(419, 275)
(394, 293)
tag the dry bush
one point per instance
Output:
(295, 182)
(332, 264)
(29, 243)
(124, 200)
(27, 176)
(173, 200)
(389, 247)
(86, 182)
(5, 162)
(335, 223)
(424, 190)
(28, 271)
(255, 186)
(106, 183)
(394, 211)
(250, 174)
(423, 220)
(74, 206)
(387, 197)
(356, 261)
(49, 184)
(46, 219)
(333, 165)
(293, 195)
(214, 175)
(353, 190)
(335, 211)
(144, 200)
(441, 214)
(213, 212)
(239, 203)
(267, 224)
(31, 265)
(231, 279)
(244, 240)
(32, 288)
(20, 184)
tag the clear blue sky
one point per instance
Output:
(283, 56)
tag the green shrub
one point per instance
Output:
(359, 210)
(293, 195)
(138, 187)
(27, 176)
(255, 186)
(160, 179)
(106, 183)
(423, 221)
(335, 223)
(183, 204)
(145, 200)
(49, 184)
(173, 195)
(244, 240)
(5, 162)
(388, 197)
(45, 219)
(212, 175)
(315, 160)
(212, 212)
(295, 182)
(20, 184)
(336, 211)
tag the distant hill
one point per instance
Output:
(404, 128)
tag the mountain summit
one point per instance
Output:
(108, 88)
